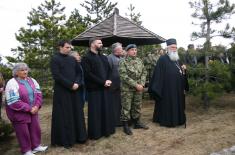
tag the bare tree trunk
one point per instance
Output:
(207, 49)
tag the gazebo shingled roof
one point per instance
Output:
(118, 29)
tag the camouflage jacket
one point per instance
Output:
(150, 62)
(132, 72)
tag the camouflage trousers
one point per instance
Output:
(131, 105)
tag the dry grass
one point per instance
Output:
(206, 132)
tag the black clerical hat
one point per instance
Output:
(170, 41)
(130, 46)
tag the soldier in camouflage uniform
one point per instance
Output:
(150, 62)
(133, 76)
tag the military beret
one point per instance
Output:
(170, 41)
(130, 46)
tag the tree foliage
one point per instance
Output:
(231, 53)
(98, 10)
(76, 24)
(135, 17)
(38, 41)
(219, 80)
(5, 129)
(207, 14)
(5, 70)
(46, 25)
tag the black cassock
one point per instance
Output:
(100, 107)
(167, 86)
(68, 123)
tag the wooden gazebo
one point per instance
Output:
(118, 29)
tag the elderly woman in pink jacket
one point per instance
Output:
(24, 99)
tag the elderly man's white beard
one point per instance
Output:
(173, 55)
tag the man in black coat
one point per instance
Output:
(97, 80)
(168, 86)
(68, 123)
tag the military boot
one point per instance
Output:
(139, 125)
(126, 128)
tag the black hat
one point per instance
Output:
(130, 46)
(170, 41)
(190, 46)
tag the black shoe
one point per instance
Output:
(68, 146)
(126, 129)
(139, 125)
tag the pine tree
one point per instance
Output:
(38, 41)
(135, 17)
(76, 24)
(98, 10)
(231, 54)
(209, 13)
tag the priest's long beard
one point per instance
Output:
(173, 55)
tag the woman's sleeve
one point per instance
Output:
(13, 98)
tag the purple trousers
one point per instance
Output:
(28, 134)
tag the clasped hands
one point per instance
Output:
(34, 110)
(108, 83)
(139, 87)
(75, 86)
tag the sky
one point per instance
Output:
(167, 18)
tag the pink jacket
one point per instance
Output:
(18, 107)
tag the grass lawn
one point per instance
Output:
(207, 131)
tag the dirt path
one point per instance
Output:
(206, 132)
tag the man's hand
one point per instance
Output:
(34, 110)
(108, 83)
(139, 87)
(184, 68)
(75, 86)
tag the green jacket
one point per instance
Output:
(150, 62)
(132, 72)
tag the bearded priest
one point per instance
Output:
(168, 86)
